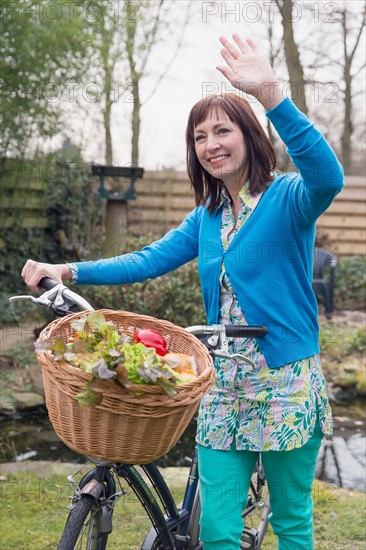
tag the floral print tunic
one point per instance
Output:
(260, 409)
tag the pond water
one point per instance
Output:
(341, 461)
(31, 436)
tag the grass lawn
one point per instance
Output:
(34, 509)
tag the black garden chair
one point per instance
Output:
(323, 277)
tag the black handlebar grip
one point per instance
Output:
(47, 283)
(245, 331)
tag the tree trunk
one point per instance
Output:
(270, 133)
(135, 124)
(108, 69)
(347, 125)
(107, 112)
(295, 70)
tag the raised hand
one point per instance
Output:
(249, 70)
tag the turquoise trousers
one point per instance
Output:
(224, 485)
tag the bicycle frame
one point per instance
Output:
(92, 481)
(173, 527)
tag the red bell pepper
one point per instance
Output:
(151, 339)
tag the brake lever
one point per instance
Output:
(235, 356)
(59, 298)
(46, 299)
(219, 339)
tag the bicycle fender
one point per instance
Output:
(93, 488)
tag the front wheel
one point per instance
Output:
(81, 530)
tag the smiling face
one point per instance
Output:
(221, 150)
(226, 144)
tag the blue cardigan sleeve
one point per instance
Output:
(321, 175)
(176, 248)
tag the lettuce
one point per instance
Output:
(105, 352)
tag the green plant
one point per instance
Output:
(175, 296)
(357, 342)
(74, 210)
(65, 200)
(350, 279)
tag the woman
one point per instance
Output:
(253, 232)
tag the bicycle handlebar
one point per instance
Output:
(46, 283)
(63, 301)
(236, 331)
(233, 331)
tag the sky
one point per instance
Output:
(194, 74)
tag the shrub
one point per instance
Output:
(349, 289)
(71, 208)
(357, 342)
(175, 296)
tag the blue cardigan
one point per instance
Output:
(269, 262)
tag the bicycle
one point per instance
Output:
(89, 521)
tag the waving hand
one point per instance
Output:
(249, 70)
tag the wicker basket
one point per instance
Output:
(124, 427)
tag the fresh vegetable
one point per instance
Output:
(182, 363)
(105, 352)
(151, 339)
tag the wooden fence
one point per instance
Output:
(164, 198)
(344, 222)
(22, 206)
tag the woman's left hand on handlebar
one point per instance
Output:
(249, 70)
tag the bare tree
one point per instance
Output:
(272, 36)
(339, 49)
(292, 55)
(349, 51)
(126, 34)
(274, 52)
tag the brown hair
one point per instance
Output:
(261, 156)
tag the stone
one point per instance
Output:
(342, 394)
(356, 317)
(27, 400)
(353, 473)
(25, 456)
(361, 382)
(348, 456)
(351, 367)
(357, 446)
(6, 406)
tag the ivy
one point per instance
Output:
(74, 219)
